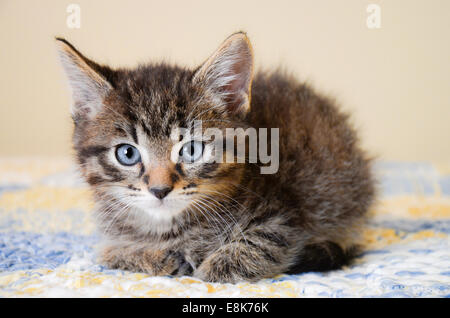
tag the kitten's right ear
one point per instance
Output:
(89, 87)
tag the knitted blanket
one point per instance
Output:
(48, 239)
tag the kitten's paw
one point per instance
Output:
(113, 259)
(155, 263)
(218, 268)
(181, 266)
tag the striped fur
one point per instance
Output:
(222, 222)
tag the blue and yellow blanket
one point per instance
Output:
(47, 242)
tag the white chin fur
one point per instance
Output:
(157, 216)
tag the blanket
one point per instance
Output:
(48, 242)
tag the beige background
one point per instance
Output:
(395, 80)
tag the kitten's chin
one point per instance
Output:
(158, 216)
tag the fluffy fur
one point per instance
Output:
(221, 222)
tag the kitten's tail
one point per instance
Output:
(323, 257)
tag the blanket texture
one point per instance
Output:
(48, 239)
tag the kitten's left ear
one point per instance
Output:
(228, 73)
(89, 86)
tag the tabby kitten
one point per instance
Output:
(220, 222)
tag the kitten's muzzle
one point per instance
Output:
(160, 192)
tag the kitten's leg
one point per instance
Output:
(153, 262)
(259, 255)
(250, 261)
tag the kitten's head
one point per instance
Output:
(129, 124)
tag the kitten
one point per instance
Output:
(220, 222)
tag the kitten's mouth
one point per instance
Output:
(159, 203)
(156, 215)
(166, 207)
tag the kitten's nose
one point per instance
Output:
(160, 192)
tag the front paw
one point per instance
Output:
(218, 268)
(180, 266)
(155, 263)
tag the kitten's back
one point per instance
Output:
(322, 169)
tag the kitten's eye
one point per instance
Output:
(127, 155)
(192, 151)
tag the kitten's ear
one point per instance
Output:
(228, 73)
(89, 87)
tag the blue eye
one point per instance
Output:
(192, 151)
(127, 155)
